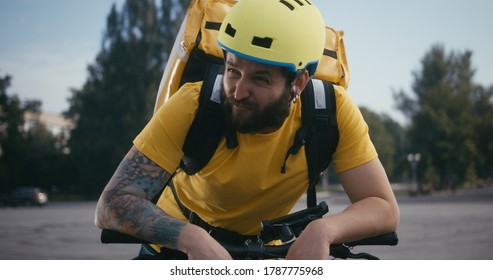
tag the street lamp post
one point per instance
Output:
(413, 160)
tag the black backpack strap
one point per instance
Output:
(209, 125)
(320, 129)
(220, 234)
(198, 65)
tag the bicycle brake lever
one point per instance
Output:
(362, 256)
(341, 251)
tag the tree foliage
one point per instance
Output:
(386, 134)
(483, 128)
(25, 151)
(11, 118)
(118, 97)
(446, 112)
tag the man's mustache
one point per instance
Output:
(242, 103)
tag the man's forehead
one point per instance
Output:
(238, 61)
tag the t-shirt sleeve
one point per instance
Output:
(162, 138)
(355, 147)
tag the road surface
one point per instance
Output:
(438, 227)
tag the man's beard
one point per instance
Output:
(271, 117)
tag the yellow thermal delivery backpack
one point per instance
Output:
(199, 30)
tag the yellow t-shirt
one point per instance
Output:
(243, 186)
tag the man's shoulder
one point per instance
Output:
(183, 102)
(190, 87)
(188, 92)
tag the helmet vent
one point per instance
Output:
(299, 2)
(291, 7)
(262, 42)
(230, 30)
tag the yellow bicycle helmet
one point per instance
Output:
(286, 33)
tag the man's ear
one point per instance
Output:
(300, 83)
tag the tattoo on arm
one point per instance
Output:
(128, 205)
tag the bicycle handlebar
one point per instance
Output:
(256, 249)
(286, 229)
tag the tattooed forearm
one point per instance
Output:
(125, 203)
(137, 173)
(146, 221)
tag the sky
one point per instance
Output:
(46, 45)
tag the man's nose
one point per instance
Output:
(242, 90)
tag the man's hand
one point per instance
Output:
(312, 244)
(199, 245)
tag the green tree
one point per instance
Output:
(42, 158)
(442, 118)
(26, 148)
(381, 138)
(11, 119)
(483, 113)
(118, 97)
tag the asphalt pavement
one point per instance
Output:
(445, 226)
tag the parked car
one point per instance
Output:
(28, 196)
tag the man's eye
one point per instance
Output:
(231, 71)
(262, 80)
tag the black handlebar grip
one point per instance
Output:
(110, 236)
(384, 239)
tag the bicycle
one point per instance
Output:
(285, 229)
